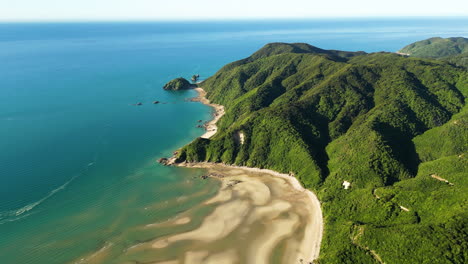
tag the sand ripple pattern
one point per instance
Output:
(255, 214)
(255, 218)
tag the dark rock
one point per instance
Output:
(163, 161)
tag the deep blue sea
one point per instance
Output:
(77, 157)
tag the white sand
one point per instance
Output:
(210, 127)
(182, 221)
(221, 222)
(217, 225)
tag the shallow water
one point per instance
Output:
(265, 215)
(77, 159)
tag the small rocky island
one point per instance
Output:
(178, 84)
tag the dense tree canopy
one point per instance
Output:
(395, 127)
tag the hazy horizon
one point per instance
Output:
(175, 20)
(208, 10)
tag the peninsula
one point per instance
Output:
(380, 138)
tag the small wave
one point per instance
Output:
(16, 214)
(12, 219)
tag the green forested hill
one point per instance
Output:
(394, 127)
(453, 50)
(437, 47)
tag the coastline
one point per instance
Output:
(313, 233)
(210, 126)
(310, 245)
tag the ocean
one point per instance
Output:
(78, 169)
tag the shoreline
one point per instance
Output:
(314, 232)
(210, 126)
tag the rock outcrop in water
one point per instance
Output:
(167, 161)
(178, 84)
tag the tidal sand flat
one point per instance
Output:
(256, 217)
(270, 218)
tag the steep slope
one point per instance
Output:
(329, 117)
(433, 229)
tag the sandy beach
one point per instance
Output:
(258, 217)
(210, 126)
(308, 248)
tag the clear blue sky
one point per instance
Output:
(46, 10)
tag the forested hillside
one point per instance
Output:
(395, 127)
(452, 50)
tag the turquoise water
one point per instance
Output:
(77, 159)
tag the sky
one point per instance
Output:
(102, 10)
